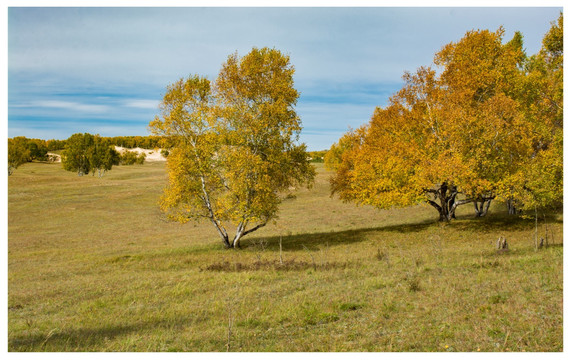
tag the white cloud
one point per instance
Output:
(142, 104)
(347, 60)
(70, 106)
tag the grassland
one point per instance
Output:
(93, 266)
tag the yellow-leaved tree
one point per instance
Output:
(461, 135)
(235, 149)
(540, 183)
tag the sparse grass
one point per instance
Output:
(93, 266)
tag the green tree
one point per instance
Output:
(141, 158)
(234, 147)
(38, 149)
(128, 158)
(55, 144)
(77, 153)
(102, 156)
(18, 153)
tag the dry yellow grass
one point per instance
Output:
(93, 266)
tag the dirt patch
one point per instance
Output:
(288, 265)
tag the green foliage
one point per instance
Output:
(85, 152)
(54, 144)
(145, 142)
(75, 156)
(234, 144)
(141, 158)
(129, 158)
(18, 153)
(38, 149)
(22, 150)
(102, 156)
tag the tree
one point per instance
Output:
(448, 138)
(540, 184)
(131, 158)
(76, 155)
(234, 148)
(18, 153)
(102, 156)
(55, 144)
(141, 158)
(38, 149)
(85, 152)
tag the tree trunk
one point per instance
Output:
(482, 210)
(446, 196)
(511, 206)
(241, 232)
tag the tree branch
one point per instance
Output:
(254, 228)
(435, 205)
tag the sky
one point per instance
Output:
(105, 70)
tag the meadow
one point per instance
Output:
(93, 265)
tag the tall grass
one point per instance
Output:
(94, 266)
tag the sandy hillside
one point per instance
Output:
(152, 155)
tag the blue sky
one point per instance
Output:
(104, 70)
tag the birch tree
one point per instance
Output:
(235, 147)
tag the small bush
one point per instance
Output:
(141, 158)
(131, 157)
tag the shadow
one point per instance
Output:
(312, 241)
(502, 221)
(88, 339)
(493, 222)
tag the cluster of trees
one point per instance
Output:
(22, 150)
(486, 124)
(87, 153)
(234, 150)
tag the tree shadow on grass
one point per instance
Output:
(494, 222)
(497, 222)
(91, 338)
(298, 242)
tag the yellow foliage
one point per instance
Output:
(234, 148)
(481, 127)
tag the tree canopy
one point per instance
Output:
(85, 152)
(234, 142)
(18, 153)
(484, 125)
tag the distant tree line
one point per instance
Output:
(317, 156)
(83, 153)
(145, 142)
(22, 150)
